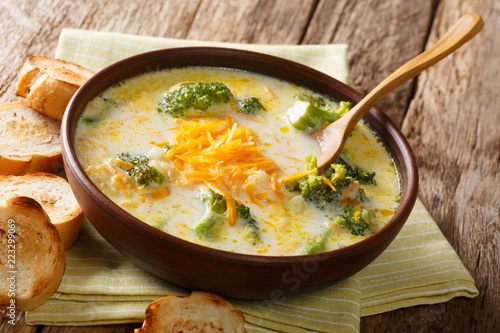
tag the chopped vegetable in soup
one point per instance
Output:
(223, 158)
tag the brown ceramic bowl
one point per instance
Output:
(202, 268)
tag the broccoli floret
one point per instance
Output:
(194, 95)
(315, 100)
(202, 95)
(313, 188)
(310, 163)
(356, 221)
(339, 178)
(339, 172)
(318, 242)
(215, 213)
(355, 173)
(345, 175)
(293, 186)
(243, 213)
(305, 116)
(249, 105)
(143, 173)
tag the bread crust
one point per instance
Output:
(54, 194)
(50, 96)
(27, 76)
(21, 165)
(200, 312)
(39, 260)
(48, 84)
(23, 126)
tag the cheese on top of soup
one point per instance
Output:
(223, 158)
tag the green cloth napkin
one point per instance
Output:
(100, 286)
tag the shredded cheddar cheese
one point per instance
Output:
(356, 216)
(221, 154)
(329, 183)
(297, 175)
(276, 186)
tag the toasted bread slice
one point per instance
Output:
(34, 274)
(48, 84)
(55, 196)
(29, 141)
(200, 312)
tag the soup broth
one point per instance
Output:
(162, 168)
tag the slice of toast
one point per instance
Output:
(48, 84)
(29, 141)
(33, 274)
(55, 196)
(200, 312)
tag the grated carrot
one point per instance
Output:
(122, 163)
(348, 201)
(350, 190)
(119, 182)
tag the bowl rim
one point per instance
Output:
(71, 160)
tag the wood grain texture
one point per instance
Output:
(452, 124)
(450, 113)
(33, 27)
(19, 327)
(382, 35)
(252, 21)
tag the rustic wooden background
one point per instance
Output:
(450, 114)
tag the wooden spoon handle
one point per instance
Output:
(460, 33)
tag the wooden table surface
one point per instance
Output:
(450, 114)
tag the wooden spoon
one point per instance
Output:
(332, 138)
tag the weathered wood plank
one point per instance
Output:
(263, 21)
(19, 326)
(453, 127)
(382, 35)
(33, 27)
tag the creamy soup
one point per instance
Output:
(169, 169)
